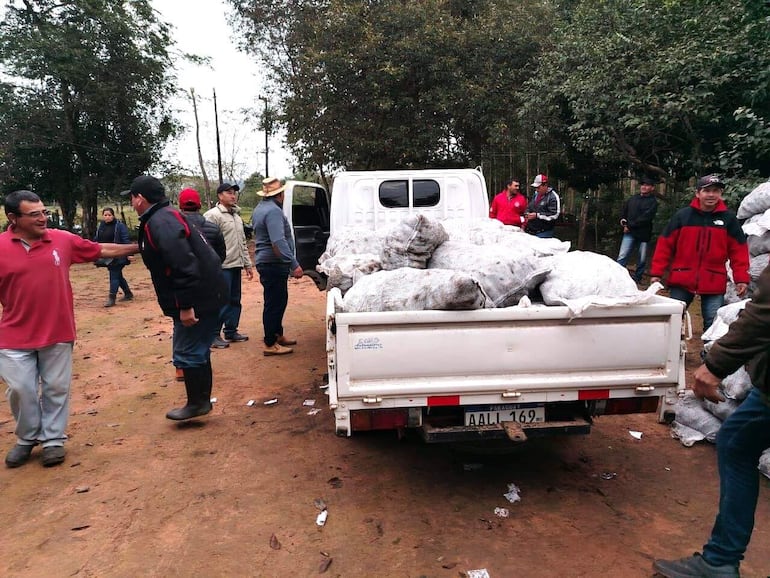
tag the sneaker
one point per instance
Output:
(18, 456)
(236, 337)
(219, 343)
(694, 567)
(53, 456)
(282, 340)
(277, 349)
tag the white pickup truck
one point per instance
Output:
(507, 373)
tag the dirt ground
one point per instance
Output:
(233, 494)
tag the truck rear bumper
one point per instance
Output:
(432, 434)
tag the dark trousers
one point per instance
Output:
(275, 282)
(230, 315)
(117, 280)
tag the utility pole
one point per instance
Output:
(216, 128)
(267, 123)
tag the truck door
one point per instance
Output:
(310, 224)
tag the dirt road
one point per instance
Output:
(141, 496)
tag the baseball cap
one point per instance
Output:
(189, 200)
(647, 180)
(710, 181)
(540, 180)
(226, 187)
(149, 187)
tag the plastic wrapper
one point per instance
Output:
(691, 412)
(756, 202)
(411, 243)
(504, 274)
(408, 289)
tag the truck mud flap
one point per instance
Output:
(433, 434)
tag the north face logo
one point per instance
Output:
(719, 223)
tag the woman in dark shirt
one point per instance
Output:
(111, 230)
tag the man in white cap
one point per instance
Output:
(275, 260)
(543, 209)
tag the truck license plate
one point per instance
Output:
(499, 413)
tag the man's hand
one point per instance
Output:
(707, 385)
(654, 280)
(249, 273)
(297, 273)
(531, 216)
(626, 229)
(187, 317)
(741, 288)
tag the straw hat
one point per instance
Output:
(271, 187)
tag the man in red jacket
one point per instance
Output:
(694, 247)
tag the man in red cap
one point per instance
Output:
(543, 209)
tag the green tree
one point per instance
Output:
(90, 85)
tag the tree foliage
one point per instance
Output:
(86, 110)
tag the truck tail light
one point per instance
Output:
(375, 419)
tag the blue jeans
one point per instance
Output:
(275, 283)
(118, 281)
(627, 246)
(740, 442)
(191, 346)
(230, 314)
(39, 392)
(709, 304)
(545, 234)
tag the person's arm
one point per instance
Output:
(275, 230)
(664, 250)
(112, 250)
(550, 212)
(493, 208)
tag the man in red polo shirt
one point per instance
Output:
(37, 327)
(508, 205)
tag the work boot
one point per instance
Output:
(694, 567)
(110, 300)
(236, 337)
(53, 455)
(18, 456)
(283, 340)
(179, 374)
(277, 349)
(127, 296)
(219, 343)
(197, 382)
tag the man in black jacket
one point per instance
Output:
(636, 220)
(186, 274)
(741, 440)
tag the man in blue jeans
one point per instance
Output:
(742, 439)
(694, 246)
(636, 220)
(275, 259)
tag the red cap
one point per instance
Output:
(189, 200)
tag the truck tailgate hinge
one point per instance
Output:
(372, 399)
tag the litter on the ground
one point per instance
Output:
(250, 402)
(637, 435)
(502, 512)
(320, 519)
(271, 401)
(513, 494)
(213, 400)
(480, 573)
(314, 411)
(309, 402)
(609, 475)
(274, 543)
(319, 503)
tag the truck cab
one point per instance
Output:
(306, 206)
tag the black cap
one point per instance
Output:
(226, 187)
(710, 181)
(149, 187)
(648, 180)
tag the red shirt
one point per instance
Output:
(509, 211)
(35, 289)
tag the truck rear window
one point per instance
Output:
(395, 194)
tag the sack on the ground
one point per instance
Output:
(764, 463)
(756, 202)
(723, 409)
(685, 434)
(103, 261)
(411, 243)
(409, 289)
(737, 385)
(691, 413)
(724, 317)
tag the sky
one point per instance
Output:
(201, 28)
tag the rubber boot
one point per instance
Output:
(110, 300)
(196, 382)
(128, 296)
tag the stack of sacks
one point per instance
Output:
(755, 208)
(696, 419)
(493, 232)
(350, 254)
(411, 243)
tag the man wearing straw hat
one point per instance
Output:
(275, 260)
